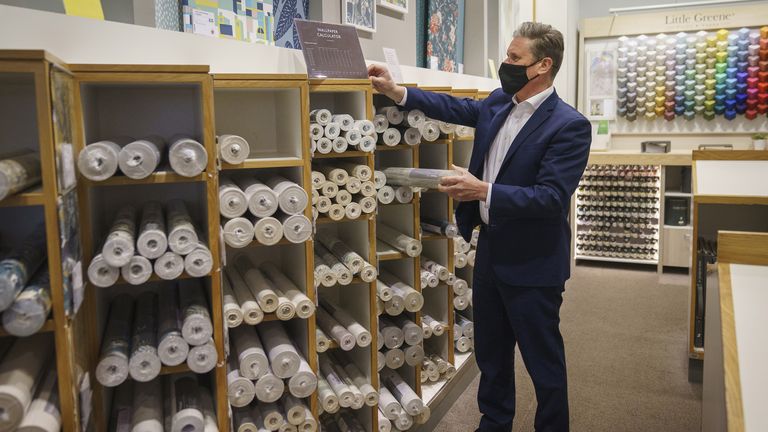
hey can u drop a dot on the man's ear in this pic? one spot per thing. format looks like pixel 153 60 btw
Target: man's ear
pixel 545 65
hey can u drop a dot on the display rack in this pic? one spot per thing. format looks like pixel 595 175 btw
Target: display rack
pixel 35 107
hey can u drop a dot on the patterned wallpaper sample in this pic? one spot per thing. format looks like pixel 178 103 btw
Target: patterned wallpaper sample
pixel 285 11
pixel 445 34
pixel 167 15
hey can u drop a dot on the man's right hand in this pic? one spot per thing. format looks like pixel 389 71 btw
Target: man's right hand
pixel 383 83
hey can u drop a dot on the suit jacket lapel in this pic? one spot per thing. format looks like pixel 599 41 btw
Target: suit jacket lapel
pixel 538 117
pixel 476 164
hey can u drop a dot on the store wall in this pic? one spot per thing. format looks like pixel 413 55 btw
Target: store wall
pixel 393 30
pixel 599 8
pixel 114 10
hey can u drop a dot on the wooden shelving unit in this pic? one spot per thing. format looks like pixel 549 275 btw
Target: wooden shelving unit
pixel 36 110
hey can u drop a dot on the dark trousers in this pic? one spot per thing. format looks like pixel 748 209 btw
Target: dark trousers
pixel 506 315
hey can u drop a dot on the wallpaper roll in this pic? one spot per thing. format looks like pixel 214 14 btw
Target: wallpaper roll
pixel 268 387
pixel 44 413
pixel 144 364
pixel 366 127
pixel 137 271
pixel 390 137
pixel 262 289
pixel 232 200
pixel 98 161
pixel 412 332
pixel 326 396
pixel 395 306
pixel 423 417
pixel 152 241
pixel 353 136
pixel 392 334
pixel 171 346
pixel 322 341
pixel 380 123
pixel 294 409
pixel 369 273
pixel 362 336
pixel 304 382
pixel 199 262
pixel 471 257
pixel 185 410
pixel 169 266
pixel 28 312
pixel 252 311
pixel 182 236
pixel 459 260
pixel 233 149
pixel 437 269
pixel 464 131
pixel 304 306
pixel 427 330
pixel 415 118
pixel 118 247
pixel 285 308
pixel 345 121
pixel 291 198
pixel 440 227
pixel 268 230
pixel 428 279
pixel 358 398
pixel 284 359
pixel 341 272
pixel 272 415
pixel 329 189
pixel 467 326
pixel 342 390
pixel 414 354
pixel 411 136
pixel 324 145
pixel 343 197
pixel 318 178
pixel 320 116
pixel 384 424
pixel 202 358
pixel 309 424
pixel 367 205
pixel 147 407
pixel 332 130
pixel 233 315
pixel 381 361
pixel 209 414
pixel 416 177
pixel 370 395
pixel 367 189
pixel 379 179
pixel 394 358
pixel 404 194
pixel 323 273
pixel 460 287
pixel 388 404
pixel 446 128
pixel 403 243
pixel 334 329
pixel 430 131
pixel 112 368
pixel 461 302
pixel 262 200
pixel 196 326
pixel 386 195
pixel 462 246
pixel 353 211
pixel 139 159
pixel 463 344
pixel 188 158
pixel 19 372
pixel 296 228
pixel 238 232
pixel 408 399
pixel 250 353
pixel 436 326
pixel 383 290
pixel 368 143
pixel 393 114
pixel 339 144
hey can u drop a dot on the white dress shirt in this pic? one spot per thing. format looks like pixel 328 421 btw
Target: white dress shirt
pixel 515 121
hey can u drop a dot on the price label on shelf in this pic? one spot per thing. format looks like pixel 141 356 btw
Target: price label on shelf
pixel 331 50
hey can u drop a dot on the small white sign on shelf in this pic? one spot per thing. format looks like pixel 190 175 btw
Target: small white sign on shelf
pixel 393 64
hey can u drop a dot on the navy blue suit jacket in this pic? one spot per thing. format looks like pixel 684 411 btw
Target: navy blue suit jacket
pixel 528 231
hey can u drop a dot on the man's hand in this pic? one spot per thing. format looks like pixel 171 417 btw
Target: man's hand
pixel 383 83
pixel 464 187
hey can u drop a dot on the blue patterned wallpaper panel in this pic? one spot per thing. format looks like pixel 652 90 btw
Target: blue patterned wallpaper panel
pixel 444 35
pixel 285 11
pixel 167 15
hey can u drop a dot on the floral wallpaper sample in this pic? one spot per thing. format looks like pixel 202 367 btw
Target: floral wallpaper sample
pixel 445 35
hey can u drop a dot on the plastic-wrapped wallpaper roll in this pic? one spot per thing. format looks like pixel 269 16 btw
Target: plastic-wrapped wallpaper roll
pixel 232 199
pixel 423 417
pixel 438 270
pixel 336 212
pixel 412 332
pixel 304 306
pixel 414 354
pixel 144 364
pixel 381 361
pixel 342 390
pixel 404 194
pixel 367 143
pixel 296 228
pixel 137 271
pixel 320 116
pixel 426 178
pixel 238 232
pixel 285 308
pixel 471 257
pixel 182 235
pixel 380 123
pixel 171 346
pixel 309 424
pixel 437 327
pixel 233 149
pixel 385 195
pixel 291 198
pixel 324 145
pixel 332 130
pixel 358 397
pixel 169 266
pixel 345 121
pixel 394 306
pixel 323 273
pixel 187 157
pixel 460 287
pixel 112 368
pixel 393 114
pixel 461 302
pixel 18 267
pixel 351 259
pixel 304 382
pixel 209 414
pixel 415 118
pixel 430 131
pixel 459 260
pixel 196 326
pixel 19 372
pixel 272 415
pixel 384 424
pixel 411 136
pixel 243 420
pixel 427 330
pixel 260 286
pixel 248 349
pixel 284 359
pixel 147 407
pixel 262 200
pixel 268 230
pixel 294 409
pixel 379 179
pixel 322 342
pixel 467 326
pixel 388 404
pixel 122 408
pixel 248 305
pixel 44 413
pixel 329 189
pixel 118 247
pixel 464 131
pixel 199 262
pixel 18 173
pixel 98 161
pixel 353 137
pixel 326 396
pixel 28 312
pixel 342 273
pixel 394 358
pixel 463 344
pixel 184 404
pixel 233 314
pixel 362 336
pixel 202 358
pixel 392 335
pixel 439 227
pixel 339 144
pixel 152 241
pixel 408 399
pixel 390 137
pixel 334 329
pixel 446 128
pixel 366 127
pixel 371 396
pixel 139 159
pixel 428 279
pixel 343 197
pixel 408 245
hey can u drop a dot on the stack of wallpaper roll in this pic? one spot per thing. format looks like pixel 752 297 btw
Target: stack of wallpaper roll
pixel 28 389
pixel 18 172
pixel 464 132
pixel 139 158
pixel 387 194
pixel 286 414
pixel 459 131
pixel 163 241
pixel 336 324
pixel 435 368
pixel 432 327
pixel 422 178
pixel 463 333
pixel 233 149
pixel 265 365
pixel 250 291
pixel 465 252
pixel 399 342
pixel 176 402
pixel 343 421
pixel 389 237
pixel 409 127
pixel 337 263
pixel 168 328
pixel 399 403
pixel 343 190
pixel 433 273
pixel 341 384
pixel 335 133
pixel 396 295
pixel 25 296
pixel 267 210
pixel 689 75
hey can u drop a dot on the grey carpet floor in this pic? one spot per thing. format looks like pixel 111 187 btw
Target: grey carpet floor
pixel 625 338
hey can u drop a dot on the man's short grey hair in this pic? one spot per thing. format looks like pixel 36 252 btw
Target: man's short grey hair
pixel 546 41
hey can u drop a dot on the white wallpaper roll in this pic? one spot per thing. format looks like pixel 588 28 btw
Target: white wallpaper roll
pixel 144 364
pixel 147 407
pixel 334 329
pixel 169 266
pixel 358 399
pixel 344 394
pixel 336 212
pixel 233 315
pixel 238 232
pixel 414 354
pixel 384 424
pixel 338 176
pixel 309 424
pixel 353 136
pixel 202 358
pixel 118 247
pixel 98 161
pixel 284 359
pixel 304 382
pixel 393 114
pixel 423 417
pixel 408 245
pixel 187 157
pixel 351 259
pixel 322 341
pixel 467 326
pixel 44 413
pixel 463 344
pixel 362 336
pixel 326 396
pixel 353 211
pixel 285 308
pixel 196 325
pixel 262 289
pixel 244 421
pixel 446 128
pixel 459 260
pixel 273 417
pixel 152 241
pixel 304 306
pixel 291 198
pixel 139 159
pixel 184 401
pixel 233 149
pixel 386 195
pixel 367 143
pixel 413 300
pixel 366 127
pixel 112 368
pixel 369 273
pixel 324 145
pixel 342 272
pixel 353 185
pixel 471 257
pixel 440 227
pixel 461 302
pixel 262 200
pixel 343 197
pixel 371 396
pixel 409 400
pixel 460 245
pixel 137 271
pixel 390 137
pixel 415 118
pixel 250 352
pixel 436 326
pixel 268 230
pixel 460 287
pixel 199 262
pixel 251 311
pixel 428 279
pixel 394 306
pixel 427 330
pixel 316 131
pixel 436 269
pixel 380 123
pixel 171 346
pixel 182 236
pixel 456 332
pixel 345 121
pixel 411 136
pixel 394 358
pixel 392 334
pixel 211 424
pixel 30 309
pixel 232 200
pixel 404 194
pixel 430 131
pixel 329 189
pixel 332 130
pixel 320 116
pixel 323 273
pixel 381 361
pixel 412 332
pixel 19 372
pixel 294 409
pixel 464 131
pixel 339 144
pixel 296 228
pixel 388 404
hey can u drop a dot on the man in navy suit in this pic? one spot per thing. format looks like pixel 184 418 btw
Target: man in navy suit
pixel 530 151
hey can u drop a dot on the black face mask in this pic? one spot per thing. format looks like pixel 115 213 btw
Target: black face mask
pixel 514 77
